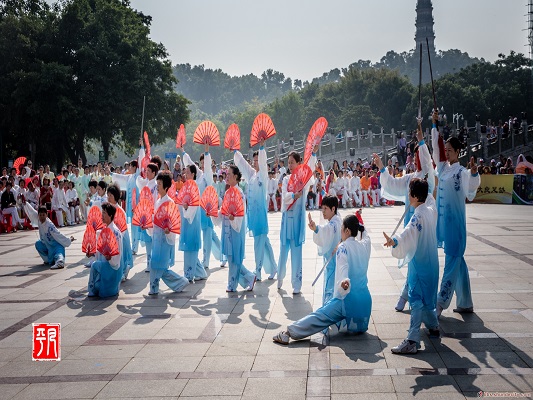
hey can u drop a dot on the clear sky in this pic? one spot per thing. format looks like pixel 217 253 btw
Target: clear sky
pixel 305 38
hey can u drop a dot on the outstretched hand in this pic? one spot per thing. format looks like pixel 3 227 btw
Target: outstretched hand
pixel 377 160
pixel 206 147
pixel 435 117
pixel 311 223
pixel 345 284
pixel 419 133
pixel 473 166
pixel 389 242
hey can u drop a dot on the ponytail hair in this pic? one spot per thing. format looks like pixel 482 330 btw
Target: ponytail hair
pixel 352 223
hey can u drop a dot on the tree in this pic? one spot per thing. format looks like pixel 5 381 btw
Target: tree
pixel 78 71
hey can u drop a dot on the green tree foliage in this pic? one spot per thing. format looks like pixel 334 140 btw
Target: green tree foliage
pixel 79 72
pixel 216 92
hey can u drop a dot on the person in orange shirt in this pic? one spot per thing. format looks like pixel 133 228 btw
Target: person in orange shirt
pixel 320 169
pixel 365 188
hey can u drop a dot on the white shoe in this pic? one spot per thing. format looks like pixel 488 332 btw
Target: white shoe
pixel 282 338
pixel 401 304
pixel 58 265
pixel 405 347
pixel 251 287
pixel 272 275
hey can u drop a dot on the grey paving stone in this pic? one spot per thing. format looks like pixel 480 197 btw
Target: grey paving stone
pixel 214 387
pixel 142 389
pixel 61 390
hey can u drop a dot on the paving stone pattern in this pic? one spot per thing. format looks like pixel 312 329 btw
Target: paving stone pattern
pixel 205 343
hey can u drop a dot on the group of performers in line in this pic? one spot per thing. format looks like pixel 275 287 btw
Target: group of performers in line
pixel 344 243
pixel 428 224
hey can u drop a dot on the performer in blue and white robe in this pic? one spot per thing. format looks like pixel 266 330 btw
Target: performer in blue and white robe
pixel 233 241
pixel 190 241
pixel 397 189
pixel 456 184
pixel 163 249
pixel 106 274
pixel 351 304
pixel 51 244
pixel 292 233
pixel 416 246
pixel 210 240
pixel 327 237
pixel 150 182
pixel 256 215
pixel 129 183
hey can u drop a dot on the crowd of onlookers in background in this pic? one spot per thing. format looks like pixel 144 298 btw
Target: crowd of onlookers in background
pixel 67 194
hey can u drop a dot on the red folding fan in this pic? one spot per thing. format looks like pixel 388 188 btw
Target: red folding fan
pixel 146 194
pixel 107 243
pixel 209 201
pixel 133 199
pixel 94 218
pixel 298 179
pixel 144 163
pixel 89 240
pixel 143 214
pixel 207 133
pixel 189 194
pixel 172 192
pixel 232 203
pixel 181 138
pixel 168 217
pixel 120 219
pixel 18 162
pixel 359 216
pixel 315 136
pixel 233 138
pixel 147 144
pixel 263 128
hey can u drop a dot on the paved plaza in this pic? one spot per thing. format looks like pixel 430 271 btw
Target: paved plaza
pixel 205 343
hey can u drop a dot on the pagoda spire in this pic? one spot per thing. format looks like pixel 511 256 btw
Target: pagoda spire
pixel 424 25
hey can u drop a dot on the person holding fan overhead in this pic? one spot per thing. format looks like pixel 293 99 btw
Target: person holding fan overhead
pixel 292 233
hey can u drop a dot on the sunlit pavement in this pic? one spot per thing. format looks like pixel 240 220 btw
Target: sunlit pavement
pixel 204 343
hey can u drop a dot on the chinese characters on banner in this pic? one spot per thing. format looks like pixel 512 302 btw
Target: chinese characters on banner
pixel 46 342
pixel 495 189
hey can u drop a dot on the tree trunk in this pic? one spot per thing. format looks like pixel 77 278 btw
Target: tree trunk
pixel 105 146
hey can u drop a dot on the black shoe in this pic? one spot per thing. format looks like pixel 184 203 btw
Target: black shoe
pixel 434 333
pixel 461 310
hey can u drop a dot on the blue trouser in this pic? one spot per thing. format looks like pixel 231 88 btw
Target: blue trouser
pixel 104 280
pixel 329 314
pixel 405 291
pixel 329 280
pixel 420 313
pixel 210 238
pixel 264 256
pixel 170 278
pixel 296 263
pixel 135 234
pixel 148 254
pixel 192 267
pixel 455 279
pixel 50 256
pixel 238 274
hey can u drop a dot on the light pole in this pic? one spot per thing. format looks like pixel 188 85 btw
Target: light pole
pixel 457 117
